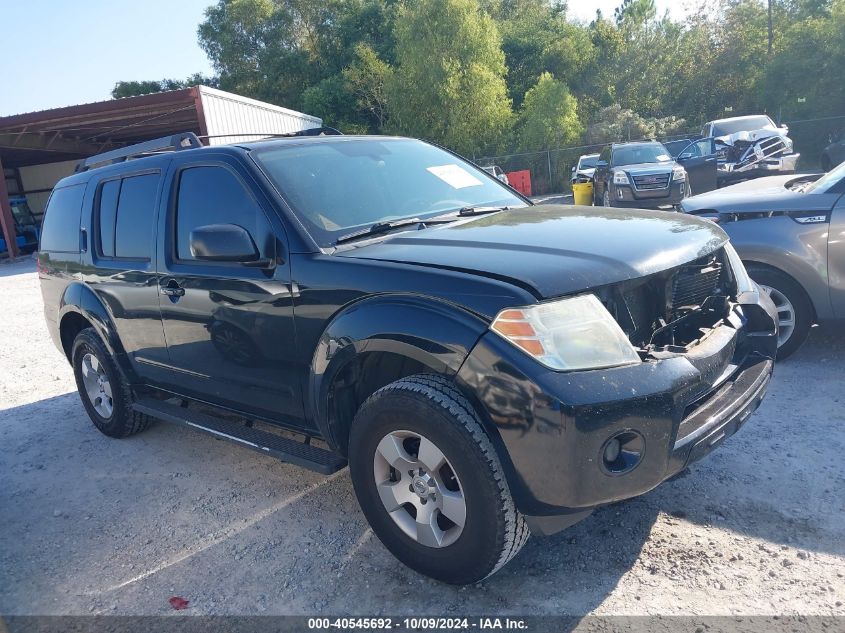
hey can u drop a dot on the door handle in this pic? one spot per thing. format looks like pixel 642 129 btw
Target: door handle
pixel 172 289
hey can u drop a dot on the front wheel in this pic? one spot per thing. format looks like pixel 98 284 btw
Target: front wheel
pixel 795 312
pixel 430 482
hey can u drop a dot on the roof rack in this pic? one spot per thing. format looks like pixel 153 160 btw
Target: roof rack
pixel 185 140
pixel 314 131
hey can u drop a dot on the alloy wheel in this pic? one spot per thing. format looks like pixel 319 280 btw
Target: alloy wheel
pixel 97 386
pixel 419 489
pixel 786 313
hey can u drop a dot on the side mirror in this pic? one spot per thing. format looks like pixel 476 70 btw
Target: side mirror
pixel 223 243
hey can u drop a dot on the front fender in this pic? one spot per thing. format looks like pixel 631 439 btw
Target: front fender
pixel 799 251
pixel 435 333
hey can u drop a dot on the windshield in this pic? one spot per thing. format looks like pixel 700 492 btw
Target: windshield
pixel 588 162
pixel 828 180
pixel 343 184
pixel 633 154
pixel 745 124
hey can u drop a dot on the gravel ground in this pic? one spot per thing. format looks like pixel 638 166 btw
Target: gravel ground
pixel 90 524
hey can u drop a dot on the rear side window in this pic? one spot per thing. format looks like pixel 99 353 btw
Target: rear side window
pixel 212 195
pixel 126 211
pixel 108 212
pixel 60 230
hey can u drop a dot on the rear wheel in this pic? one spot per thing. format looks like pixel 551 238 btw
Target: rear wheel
pixel 430 483
pixel 795 312
pixel 104 390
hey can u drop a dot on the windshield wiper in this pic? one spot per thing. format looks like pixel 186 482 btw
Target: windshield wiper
pixel 480 210
pixel 378 228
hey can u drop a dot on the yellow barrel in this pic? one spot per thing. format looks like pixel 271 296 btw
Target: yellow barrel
pixel 582 192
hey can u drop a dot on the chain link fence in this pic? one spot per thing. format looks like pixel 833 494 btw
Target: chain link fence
pixel 551 169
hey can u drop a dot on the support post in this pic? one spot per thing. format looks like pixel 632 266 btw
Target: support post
pixel 7 221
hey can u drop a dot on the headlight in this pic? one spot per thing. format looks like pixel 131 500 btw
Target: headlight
pixel 568 334
pixel 743 281
pixel 620 178
pixel 679 174
pixel 788 143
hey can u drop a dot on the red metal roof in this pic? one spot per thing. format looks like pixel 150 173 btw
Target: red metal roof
pixel 82 130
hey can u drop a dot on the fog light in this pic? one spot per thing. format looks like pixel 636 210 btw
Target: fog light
pixel 622 452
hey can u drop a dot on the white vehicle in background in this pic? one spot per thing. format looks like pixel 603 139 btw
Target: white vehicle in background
pixel 497 172
pixel 749 147
pixel 585 168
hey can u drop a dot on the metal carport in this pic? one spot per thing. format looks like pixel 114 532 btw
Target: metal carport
pixel 54 139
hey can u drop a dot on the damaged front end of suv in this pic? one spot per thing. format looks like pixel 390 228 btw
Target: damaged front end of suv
pixel 749 147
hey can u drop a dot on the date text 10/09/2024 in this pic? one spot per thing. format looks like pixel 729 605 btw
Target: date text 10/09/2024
pixel 424 623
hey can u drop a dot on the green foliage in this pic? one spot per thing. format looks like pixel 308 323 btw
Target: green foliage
pixel 135 88
pixel 549 116
pixel 367 78
pixel 614 123
pixel 454 70
pixel 449 82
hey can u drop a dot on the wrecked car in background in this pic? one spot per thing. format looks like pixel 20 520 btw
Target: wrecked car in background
pixel 750 146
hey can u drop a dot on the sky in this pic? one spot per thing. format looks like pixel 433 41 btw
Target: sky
pixel 63 52
pixel 55 53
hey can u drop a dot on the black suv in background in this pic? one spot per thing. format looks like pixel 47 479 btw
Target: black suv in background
pixel 485 366
pixel 643 175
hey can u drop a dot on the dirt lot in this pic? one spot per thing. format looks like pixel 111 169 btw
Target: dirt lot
pixel 90 524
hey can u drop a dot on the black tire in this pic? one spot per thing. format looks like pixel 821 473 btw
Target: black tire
pixel 123 421
pixel 803 309
pixel 494 531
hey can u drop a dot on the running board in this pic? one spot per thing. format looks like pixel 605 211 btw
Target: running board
pixel 291 451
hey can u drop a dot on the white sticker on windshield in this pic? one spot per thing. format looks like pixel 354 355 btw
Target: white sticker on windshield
pixel 662 157
pixel 455 176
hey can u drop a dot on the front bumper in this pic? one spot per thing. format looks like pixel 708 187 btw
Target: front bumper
pixel 627 196
pixel 554 426
pixel 728 172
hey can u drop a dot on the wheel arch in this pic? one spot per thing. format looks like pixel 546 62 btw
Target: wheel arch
pixel 752 263
pixel 376 341
pixel 80 308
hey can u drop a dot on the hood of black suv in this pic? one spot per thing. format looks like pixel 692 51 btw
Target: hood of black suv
pixel 555 250
pixel 647 168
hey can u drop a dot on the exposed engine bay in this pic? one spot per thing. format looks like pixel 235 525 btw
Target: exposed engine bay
pixel 674 310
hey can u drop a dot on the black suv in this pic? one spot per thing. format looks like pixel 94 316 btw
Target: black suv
pixel 638 175
pixel 486 366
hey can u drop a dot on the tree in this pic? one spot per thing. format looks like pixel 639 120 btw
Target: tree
pixel 615 123
pixel 135 88
pixel 449 82
pixel 549 116
pixel 367 78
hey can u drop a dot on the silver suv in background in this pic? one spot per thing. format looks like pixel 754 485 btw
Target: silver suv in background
pixel 749 147
pixel 788 231
pixel 584 169
pixel 498 173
